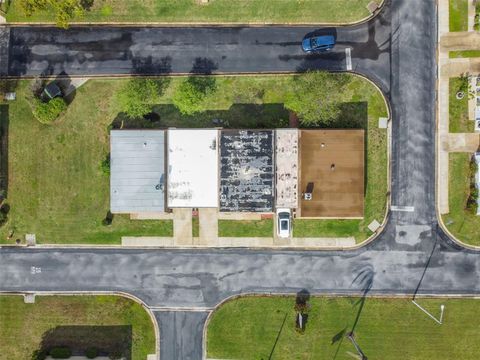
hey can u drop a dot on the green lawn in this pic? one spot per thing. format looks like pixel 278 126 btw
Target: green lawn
pixel 464 54
pixel 245 228
pixel 78 320
pixel 462 224
pixel 56 188
pixel 458 109
pixel 243 11
pixel 387 329
pixel 458 15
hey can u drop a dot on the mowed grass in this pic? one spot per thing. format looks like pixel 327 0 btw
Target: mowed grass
pixel 458 12
pixel 23 325
pixel 461 223
pixel 387 329
pixel 185 11
pixel 464 54
pixel 56 188
pixel 458 109
pixel 245 228
pixel 58 191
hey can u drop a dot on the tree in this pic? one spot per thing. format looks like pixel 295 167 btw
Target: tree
pixel 47 112
pixel 191 92
pixel 64 10
pixel 138 96
pixel 316 97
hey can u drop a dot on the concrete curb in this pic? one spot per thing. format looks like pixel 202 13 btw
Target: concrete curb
pixel 336 295
pixel 97 293
pixel 199 23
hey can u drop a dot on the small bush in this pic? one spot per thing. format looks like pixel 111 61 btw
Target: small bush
pixel 62 352
pixel 91 353
pixel 39 355
pixel 105 165
pixel 47 112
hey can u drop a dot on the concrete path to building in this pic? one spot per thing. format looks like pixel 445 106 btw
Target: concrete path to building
pixel 182 227
pixel 208 227
pixel 460 142
pixel 467 40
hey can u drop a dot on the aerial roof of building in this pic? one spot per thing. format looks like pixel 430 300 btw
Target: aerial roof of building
pixel 246 170
pixel 192 179
pixel 286 168
pixel 332 171
pixel 137 171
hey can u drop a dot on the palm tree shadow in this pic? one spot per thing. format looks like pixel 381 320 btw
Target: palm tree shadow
pixel 278 337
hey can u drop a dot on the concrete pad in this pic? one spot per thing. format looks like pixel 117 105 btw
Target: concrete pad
pixel 152 216
pixel 382 122
pixel 182 226
pixel 147 241
pixel 208 227
pixel 471 15
pixel 245 242
pixel 372 6
pixel 463 142
pixel 29 298
pixel 460 41
pixel 152 357
pixel 323 242
pixel 31 239
pixel 239 216
pixel 373 226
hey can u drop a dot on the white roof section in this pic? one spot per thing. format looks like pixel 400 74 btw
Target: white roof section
pixel 286 166
pixel 137 171
pixel 192 168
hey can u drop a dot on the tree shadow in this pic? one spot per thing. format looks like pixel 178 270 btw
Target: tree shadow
pixel 238 116
pixel 108 340
pixel 151 66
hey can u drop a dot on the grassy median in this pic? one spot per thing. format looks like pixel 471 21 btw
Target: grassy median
pixel 388 329
pixel 57 189
pixel 189 11
pixel 461 223
pixel 107 323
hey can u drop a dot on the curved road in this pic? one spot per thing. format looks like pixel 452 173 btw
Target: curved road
pixel 412 255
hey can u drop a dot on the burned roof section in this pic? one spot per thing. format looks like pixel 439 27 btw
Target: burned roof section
pixel 246 170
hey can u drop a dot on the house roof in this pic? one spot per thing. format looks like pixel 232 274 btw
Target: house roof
pixel 192 168
pixel 332 170
pixel 246 170
pixel 137 171
pixel 286 168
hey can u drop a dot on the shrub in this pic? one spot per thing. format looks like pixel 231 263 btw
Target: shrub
pixel 61 352
pixel 316 97
pixel 39 355
pixel 190 94
pixel 47 112
pixel 91 353
pixel 138 95
pixel 105 165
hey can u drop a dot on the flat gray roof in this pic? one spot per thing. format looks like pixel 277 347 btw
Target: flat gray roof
pixel 137 171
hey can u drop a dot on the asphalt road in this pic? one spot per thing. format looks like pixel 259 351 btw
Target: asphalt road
pixel 412 255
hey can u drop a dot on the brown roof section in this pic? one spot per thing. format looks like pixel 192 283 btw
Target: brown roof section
pixel 336 170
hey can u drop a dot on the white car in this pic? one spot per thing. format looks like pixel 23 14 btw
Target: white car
pixel 283 223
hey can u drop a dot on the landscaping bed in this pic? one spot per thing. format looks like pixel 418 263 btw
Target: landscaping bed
pixel 264 328
pixel 189 11
pixel 58 184
pixel 109 324
pixel 461 222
